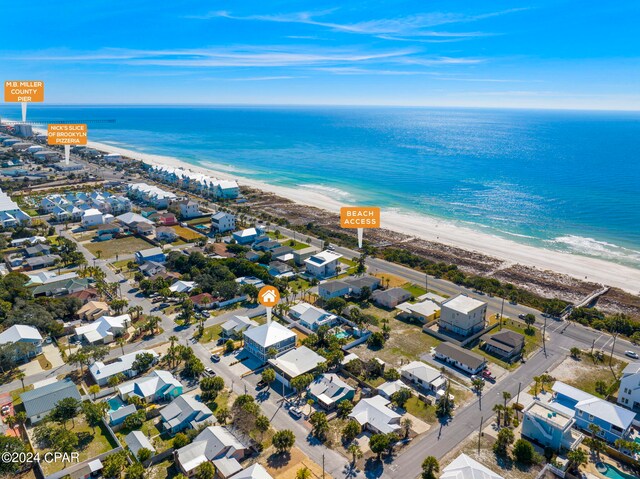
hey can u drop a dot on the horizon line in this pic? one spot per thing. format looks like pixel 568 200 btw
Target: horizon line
pixel 339 105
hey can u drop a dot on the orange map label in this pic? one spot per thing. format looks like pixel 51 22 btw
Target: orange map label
pixel 67 134
pixel 268 296
pixel 360 217
pixel 23 91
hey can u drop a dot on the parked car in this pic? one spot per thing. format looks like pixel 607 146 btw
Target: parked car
pixel 261 384
pixel 296 412
pixel 631 354
pixel 486 374
pixel 209 372
pixel 215 358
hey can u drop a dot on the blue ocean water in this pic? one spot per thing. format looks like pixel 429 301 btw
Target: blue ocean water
pixel 556 179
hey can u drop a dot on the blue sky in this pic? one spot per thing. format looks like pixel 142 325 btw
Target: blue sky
pixel 537 53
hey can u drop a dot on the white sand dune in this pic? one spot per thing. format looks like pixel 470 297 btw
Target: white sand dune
pixel 432 229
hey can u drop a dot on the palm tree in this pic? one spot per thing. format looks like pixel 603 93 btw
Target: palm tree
pixel 21 375
pixel 506 395
pixel 430 467
pixel 498 408
pixel 536 382
pixel 577 458
pixel 355 451
pixel 406 424
pixel 120 342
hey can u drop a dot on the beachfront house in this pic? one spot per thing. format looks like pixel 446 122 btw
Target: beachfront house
pixel 463 315
pixel 629 393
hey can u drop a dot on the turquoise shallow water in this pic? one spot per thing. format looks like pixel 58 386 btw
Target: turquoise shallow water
pixel 567 181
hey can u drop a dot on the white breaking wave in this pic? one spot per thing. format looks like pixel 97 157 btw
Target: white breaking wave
pixel 335 193
pixel 600 249
pixel 222 167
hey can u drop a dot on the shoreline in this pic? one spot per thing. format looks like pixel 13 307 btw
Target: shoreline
pixel 583 268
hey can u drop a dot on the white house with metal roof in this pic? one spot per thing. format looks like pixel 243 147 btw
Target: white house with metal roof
pixel 258 341
pixel 424 377
pixel 215 444
pixel 463 467
pixel 159 385
pixel 25 334
pixel 104 329
pixel 253 472
pixel 101 372
pixel 234 327
pixel 136 440
pixel 311 316
pixel 294 363
pixel 375 415
pixel 10 212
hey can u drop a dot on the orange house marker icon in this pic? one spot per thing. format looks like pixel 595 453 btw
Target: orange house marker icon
pixel 269 296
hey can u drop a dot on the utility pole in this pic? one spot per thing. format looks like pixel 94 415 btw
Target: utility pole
pixel 593 345
pixel 323 466
pixel 426 281
pixel 480 433
pixel 544 336
pixel 501 313
pixel 518 400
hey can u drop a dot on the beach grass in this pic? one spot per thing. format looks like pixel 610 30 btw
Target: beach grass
pixel 186 234
pixel 296 245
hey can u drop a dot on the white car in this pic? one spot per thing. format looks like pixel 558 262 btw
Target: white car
pixel 631 354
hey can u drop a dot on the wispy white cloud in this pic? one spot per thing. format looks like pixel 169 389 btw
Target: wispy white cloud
pixel 418 26
pixel 265 78
pixel 240 56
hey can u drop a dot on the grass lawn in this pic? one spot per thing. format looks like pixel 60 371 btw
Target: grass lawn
pixel 406 340
pixel 296 245
pixel 211 333
pixel 260 319
pixel 122 264
pixel 126 245
pixel 163 470
pixel 532 343
pixel 92 443
pixel 300 284
pixel 421 410
pixel 149 428
pixel 414 289
pixel 346 261
pixel 186 234
pixel 199 221
pixel 44 362
pixel 393 281
pixel 15 395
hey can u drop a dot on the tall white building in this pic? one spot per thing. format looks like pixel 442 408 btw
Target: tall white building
pixel 463 315
pixel 629 394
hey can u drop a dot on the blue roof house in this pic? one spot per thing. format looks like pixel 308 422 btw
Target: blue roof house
pixel 151 254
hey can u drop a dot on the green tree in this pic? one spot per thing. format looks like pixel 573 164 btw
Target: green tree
pixel 406 425
pixel 144 454
pixel 301 383
pixel 268 375
pixel 94 389
pixel 180 440
pixel 143 362
pixel 577 458
pixel 193 367
pixel 135 471
pixel 319 424
pixel 379 443
pixel 262 425
pixel 205 471
pixel 575 352
pixel 222 415
pixel 351 430
pixel 66 409
pixel 114 380
pixel 430 467
pixel 523 452
pixel 303 473
pixel 529 320
pixel 376 340
pixel 503 441
pixel 391 374
pixel 401 397
pixel 229 346
pixel 344 408
pixel 283 440
pixel 11 445
pixel 355 451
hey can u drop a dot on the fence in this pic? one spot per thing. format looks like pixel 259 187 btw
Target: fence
pixel 357 342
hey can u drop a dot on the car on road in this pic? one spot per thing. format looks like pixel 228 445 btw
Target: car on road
pixel 209 372
pixel 206 314
pixel 486 374
pixel 295 412
pixel 215 358
pixel 521 316
pixel 194 340
pixel 631 354
pixel 261 384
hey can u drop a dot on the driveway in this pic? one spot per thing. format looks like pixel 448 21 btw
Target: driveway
pixel 52 354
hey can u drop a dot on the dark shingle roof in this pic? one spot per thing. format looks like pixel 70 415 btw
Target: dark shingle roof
pixel 463 356
pixel 44 399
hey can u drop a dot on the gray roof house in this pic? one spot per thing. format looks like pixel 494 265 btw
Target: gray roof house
pixel 236 326
pixel 217 445
pixel 39 402
pixel 184 412
pixel 329 390
pixel 390 298
pixel 119 415
pixel 460 358
pixel 136 440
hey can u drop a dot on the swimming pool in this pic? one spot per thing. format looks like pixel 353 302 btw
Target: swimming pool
pixel 115 403
pixel 342 335
pixel 612 472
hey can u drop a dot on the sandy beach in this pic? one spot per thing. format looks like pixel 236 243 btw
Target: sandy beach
pixel 432 229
